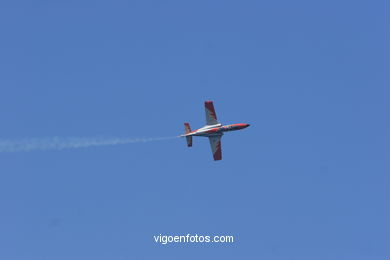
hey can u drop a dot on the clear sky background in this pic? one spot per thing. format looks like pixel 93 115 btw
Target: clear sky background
pixel 307 180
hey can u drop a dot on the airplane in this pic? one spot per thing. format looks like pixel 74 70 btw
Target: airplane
pixel 213 130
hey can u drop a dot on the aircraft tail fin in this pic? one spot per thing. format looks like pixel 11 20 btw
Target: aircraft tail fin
pixel 188 130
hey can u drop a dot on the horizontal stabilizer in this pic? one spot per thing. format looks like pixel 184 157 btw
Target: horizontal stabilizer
pixel 189 141
pixel 187 128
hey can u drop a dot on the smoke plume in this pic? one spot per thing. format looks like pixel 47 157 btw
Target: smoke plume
pixel 59 143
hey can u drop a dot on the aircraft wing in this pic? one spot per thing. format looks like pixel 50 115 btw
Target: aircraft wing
pixel 211 116
pixel 215 143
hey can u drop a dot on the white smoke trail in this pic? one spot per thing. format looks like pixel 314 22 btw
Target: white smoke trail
pixel 59 143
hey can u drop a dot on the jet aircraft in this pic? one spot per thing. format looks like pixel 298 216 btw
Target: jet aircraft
pixel 213 130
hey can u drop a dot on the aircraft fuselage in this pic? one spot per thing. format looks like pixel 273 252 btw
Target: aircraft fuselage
pixel 218 129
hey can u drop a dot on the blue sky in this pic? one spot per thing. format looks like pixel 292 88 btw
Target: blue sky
pixel 307 180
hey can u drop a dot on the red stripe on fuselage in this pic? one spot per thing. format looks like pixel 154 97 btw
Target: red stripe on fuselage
pixel 212 131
